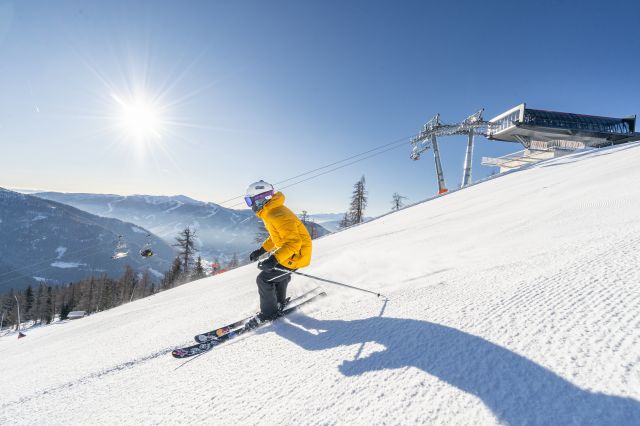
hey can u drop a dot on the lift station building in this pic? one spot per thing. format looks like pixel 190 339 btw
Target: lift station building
pixel 549 134
pixel 543 134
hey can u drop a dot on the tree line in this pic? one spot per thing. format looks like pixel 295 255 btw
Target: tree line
pixel 359 199
pixel 43 303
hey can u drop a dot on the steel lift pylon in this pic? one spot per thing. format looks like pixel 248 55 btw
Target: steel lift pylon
pixel 428 138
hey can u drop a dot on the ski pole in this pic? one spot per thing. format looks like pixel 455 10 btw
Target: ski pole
pixel 279 276
pixel 332 282
pixel 286 272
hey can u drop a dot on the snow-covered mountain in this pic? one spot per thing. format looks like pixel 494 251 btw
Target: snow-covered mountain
pixel 330 221
pixel 513 301
pixel 221 232
pixel 46 241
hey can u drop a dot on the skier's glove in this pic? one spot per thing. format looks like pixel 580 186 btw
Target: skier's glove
pixel 256 254
pixel 269 264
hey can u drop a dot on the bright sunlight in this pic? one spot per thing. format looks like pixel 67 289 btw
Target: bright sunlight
pixel 140 119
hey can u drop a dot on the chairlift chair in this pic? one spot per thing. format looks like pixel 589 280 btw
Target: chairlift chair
pixel 121 249
pixel 146 250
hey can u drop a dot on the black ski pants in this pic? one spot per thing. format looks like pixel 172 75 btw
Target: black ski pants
pixel 272 287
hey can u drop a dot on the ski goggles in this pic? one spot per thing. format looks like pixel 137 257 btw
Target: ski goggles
pixel 252 200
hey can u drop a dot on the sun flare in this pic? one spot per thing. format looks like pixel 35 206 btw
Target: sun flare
pixel 139 118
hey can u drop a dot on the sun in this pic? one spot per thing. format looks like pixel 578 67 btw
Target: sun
pixel 139 118
pixel 140 109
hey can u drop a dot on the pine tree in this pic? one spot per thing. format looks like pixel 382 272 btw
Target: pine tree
pixel 186 243
pixel 358 202
pixel 67 300
pixel 145 284
pixel 3 312
pixel 10 308
pixel 198 271
pixel 7 306
pixel 88 302
pixel 54 301
pixel 173 275
pixel 127 283
pixel 71 302
pixel 38 311
pixel 304 217
pixel 105 296
pixel 345 222
pixel 28 303
pixel 49 313
pixel 64 311
pixel 396 202
pixel 100 293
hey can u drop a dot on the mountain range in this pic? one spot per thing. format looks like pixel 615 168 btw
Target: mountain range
pixel 220 232
pixel 46 241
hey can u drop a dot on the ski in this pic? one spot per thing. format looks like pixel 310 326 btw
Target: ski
pixel 199 348
pixel 218 332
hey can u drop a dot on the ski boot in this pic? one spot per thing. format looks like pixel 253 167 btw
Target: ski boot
pixel 283 305
pixel 255 322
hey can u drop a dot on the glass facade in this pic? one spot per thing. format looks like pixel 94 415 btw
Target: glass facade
pixel 505 122
pixel 564 120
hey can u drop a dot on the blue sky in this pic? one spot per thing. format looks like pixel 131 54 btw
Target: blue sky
pixel 249 90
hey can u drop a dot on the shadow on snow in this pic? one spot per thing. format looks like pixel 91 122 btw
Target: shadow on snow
pixel 517 390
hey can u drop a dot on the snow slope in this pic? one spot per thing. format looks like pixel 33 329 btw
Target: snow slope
pixel 513 301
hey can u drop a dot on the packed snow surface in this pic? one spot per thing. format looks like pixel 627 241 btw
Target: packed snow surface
pixel 138 230
pixel 513 301
pixel 65 265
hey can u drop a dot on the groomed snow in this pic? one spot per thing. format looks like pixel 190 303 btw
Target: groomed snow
pixel 138 230
pixel 514 301
pixel 66 265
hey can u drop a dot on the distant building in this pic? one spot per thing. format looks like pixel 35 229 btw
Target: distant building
pixel 76 314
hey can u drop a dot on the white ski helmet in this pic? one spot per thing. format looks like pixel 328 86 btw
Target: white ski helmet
pixel 258 193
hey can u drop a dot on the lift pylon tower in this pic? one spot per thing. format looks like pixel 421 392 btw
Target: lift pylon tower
pixel 427 138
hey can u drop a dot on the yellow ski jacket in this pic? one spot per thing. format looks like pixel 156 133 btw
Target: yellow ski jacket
pixel 287 234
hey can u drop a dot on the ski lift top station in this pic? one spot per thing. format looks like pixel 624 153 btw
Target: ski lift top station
pixel 543 134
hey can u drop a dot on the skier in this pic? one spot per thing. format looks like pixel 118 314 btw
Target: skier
pixel 289 243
